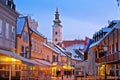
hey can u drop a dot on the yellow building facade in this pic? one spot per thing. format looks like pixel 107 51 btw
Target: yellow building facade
pixel 29 70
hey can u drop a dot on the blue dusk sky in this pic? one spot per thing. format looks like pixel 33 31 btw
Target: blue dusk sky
pixel 79 18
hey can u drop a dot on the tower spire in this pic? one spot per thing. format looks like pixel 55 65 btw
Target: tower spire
pixel 57 28
pixel 57 20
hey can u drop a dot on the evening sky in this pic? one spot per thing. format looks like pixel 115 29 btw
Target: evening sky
pixel 79 18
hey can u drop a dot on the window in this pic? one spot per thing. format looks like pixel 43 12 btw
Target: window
pixel 56 33
pixel 39 47
pixel 57 58
pixel 13 33
pixel 53 58
pixel 0 26
pixel 112 48
pixel 22 49
pixel 7 31
pixel 25 36
pixel 32 44
pixel 48 58
pixel 56 39
pixel 116 46
pixel 36 46
pixel 6 2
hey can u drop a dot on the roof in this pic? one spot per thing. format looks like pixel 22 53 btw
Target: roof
pixel 50 48
pixel 76 46
pixel 108 28
pixel 67 43
pixel 71 46
pixel 117 26
pixel 60 50
pixel 37 32
pixel 20 24
pixel 75 51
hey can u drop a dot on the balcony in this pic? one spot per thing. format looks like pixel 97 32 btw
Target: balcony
pixel 112 58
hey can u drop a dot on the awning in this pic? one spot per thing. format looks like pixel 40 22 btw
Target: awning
pixel 15 55
pixel 45 63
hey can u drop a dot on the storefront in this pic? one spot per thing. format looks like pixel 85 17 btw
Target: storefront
pixel 45 69
pixel 57 70
pixel 68 70
pixel 15 67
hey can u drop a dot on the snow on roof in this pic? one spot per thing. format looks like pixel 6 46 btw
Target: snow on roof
pixel 115 26
pixel 76 46
pixel 20 24
pixel 37 32
pixel 50 48
pixel 74 55
pixel 62 51
pixel 106 29
pixel 72 49
pixel 115 21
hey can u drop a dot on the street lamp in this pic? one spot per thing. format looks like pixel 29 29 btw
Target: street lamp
pixel 105 51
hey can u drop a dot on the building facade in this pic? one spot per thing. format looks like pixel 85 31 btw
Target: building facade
pixel 8 18
pixel 23 49
pixel 109 59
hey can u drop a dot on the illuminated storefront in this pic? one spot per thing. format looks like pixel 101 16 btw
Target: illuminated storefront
pixel 13 66
pixel 56 70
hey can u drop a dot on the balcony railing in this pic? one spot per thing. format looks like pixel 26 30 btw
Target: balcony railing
pixel 112 58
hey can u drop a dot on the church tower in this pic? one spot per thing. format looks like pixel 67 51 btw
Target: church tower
pixel 57 29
